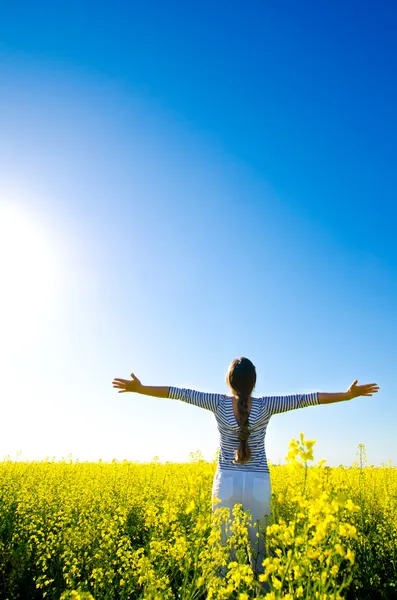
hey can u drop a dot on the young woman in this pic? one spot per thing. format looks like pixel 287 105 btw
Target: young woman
pixel 242 474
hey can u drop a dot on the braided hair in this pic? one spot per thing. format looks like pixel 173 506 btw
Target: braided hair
pixel 241 378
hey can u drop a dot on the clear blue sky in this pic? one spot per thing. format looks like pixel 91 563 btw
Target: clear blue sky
pixel 184 184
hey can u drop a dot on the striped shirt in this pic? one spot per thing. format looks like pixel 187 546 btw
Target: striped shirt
pixel 261 411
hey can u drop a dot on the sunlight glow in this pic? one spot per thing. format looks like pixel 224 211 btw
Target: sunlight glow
pixel 28 277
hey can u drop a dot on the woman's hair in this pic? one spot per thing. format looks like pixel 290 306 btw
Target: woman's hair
pixel 241 378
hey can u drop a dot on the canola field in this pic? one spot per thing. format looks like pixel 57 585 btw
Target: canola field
pixel 123 530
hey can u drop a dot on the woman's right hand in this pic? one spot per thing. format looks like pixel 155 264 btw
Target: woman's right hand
pixel 127 385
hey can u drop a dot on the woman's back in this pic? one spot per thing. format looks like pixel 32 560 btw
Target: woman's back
pixel 262 408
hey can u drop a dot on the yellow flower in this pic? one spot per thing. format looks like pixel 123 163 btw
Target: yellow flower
pixel 339 549
pixel 190 508
pixel 350 556
pixel 276 583
pixel 352 507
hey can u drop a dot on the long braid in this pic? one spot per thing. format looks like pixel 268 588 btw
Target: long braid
pixel 243 454
pixel 241 378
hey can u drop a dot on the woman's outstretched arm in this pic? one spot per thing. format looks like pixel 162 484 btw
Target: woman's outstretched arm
pixel 353 392
pixel 200 399
pixel 279 404
pixel 134 385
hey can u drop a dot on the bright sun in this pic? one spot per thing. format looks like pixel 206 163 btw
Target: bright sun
pixel 28 277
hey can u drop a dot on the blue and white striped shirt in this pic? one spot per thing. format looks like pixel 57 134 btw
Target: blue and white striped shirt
pixel 261 410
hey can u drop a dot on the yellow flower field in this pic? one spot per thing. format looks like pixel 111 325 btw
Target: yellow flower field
pixel 125 530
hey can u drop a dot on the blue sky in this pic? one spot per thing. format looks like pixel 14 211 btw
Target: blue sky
pixel 181 185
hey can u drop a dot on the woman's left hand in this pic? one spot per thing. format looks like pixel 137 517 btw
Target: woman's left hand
pixel 362 390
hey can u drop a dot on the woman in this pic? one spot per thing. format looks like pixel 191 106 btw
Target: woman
pixel 242 474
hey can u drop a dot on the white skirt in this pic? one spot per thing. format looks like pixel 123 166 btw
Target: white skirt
pixel 252 489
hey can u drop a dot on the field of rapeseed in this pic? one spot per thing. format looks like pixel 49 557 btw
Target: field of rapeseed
pixel 122 530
